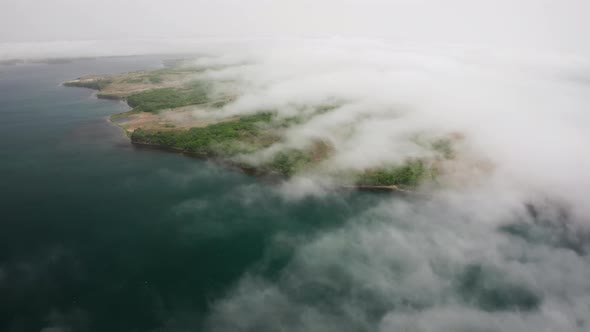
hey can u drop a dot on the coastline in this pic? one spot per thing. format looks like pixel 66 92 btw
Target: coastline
pixel 268 175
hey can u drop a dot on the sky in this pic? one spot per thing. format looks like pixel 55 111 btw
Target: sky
pixel 524 23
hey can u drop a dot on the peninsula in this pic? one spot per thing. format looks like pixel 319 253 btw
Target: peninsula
pixel 175 109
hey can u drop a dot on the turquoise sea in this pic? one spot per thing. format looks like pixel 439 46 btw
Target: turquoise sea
pixel 97 235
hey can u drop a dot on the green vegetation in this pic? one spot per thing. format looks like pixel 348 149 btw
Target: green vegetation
pixel 207 139
pixel 133 80
pixel 159 99
pixel 160 74
pixel 289 162
pixel 444 147
pixel 304 117
pixel 410 174
pixel 171 88
pixel 155 78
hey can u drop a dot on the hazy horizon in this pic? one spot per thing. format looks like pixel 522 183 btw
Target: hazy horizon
pixel 541 24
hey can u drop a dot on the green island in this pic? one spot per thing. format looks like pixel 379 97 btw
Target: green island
pixel 173 108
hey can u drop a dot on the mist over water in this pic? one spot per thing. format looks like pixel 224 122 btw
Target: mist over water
pixel 98 235
pixel 498 244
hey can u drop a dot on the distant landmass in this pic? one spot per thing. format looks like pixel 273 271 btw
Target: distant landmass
pixel 174 109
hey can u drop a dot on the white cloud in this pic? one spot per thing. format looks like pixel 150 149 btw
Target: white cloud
pixel 426 266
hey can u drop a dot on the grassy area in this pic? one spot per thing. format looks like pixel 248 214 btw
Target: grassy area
pixel 155 78
pixel 210 139
pixel 159 99
pixel 133 80
pixel 246 135
pixel 290 161
pixel 411 174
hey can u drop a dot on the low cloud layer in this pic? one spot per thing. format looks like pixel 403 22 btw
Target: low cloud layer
pixel 520 117
pixel 499 244
pixel 429 266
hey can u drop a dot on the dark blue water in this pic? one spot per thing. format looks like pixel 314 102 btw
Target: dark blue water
pixel 99 236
